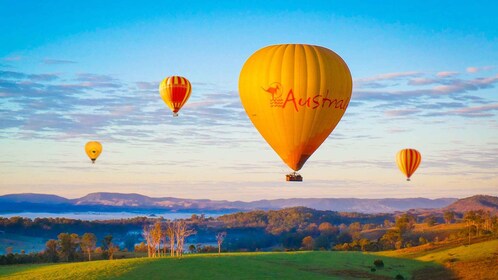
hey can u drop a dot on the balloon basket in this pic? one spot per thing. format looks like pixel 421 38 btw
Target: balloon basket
pixel 408 179
pixel 175 114
pixel 294 177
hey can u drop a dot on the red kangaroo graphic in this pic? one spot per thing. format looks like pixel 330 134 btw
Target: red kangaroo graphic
pixel 272 90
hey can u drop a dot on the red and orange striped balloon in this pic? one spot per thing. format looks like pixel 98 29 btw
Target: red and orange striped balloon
pixel 408 161
pixel 175 91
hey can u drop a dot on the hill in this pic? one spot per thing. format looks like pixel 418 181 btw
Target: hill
pixel 476 261
pixel 34 198
pixel 131 202
pixel 297 265
pixel 477 202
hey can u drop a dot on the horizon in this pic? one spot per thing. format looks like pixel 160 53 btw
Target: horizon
pixel 75 72
pixel 288 198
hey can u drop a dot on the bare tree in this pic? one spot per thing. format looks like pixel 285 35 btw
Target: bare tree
pixel 148 240
pixel 170 235
pixel 182 232
pixel 156 236
pixel 220 237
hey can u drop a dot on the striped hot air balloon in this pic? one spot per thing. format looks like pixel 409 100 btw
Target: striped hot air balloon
pixel 408 161
pixel 175 91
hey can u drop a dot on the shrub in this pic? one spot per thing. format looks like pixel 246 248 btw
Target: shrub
pixel 379 263
pixel 399 277
pixel 373 269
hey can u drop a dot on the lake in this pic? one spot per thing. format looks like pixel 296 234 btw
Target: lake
pixel 92 216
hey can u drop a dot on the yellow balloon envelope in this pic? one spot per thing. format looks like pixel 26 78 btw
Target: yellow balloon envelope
pixel 408 161
pixel 93 150
pixel 175 91
pixel 295 95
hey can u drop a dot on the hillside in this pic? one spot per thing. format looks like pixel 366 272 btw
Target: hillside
pixel 477 202
pixel 477 261
pixel 34 198
pixel 298 265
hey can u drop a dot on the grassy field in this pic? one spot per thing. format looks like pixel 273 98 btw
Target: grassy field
pixel 476 261
pixel 298 265
pixel 441 261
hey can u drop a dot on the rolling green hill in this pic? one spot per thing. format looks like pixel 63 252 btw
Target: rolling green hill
pixel 298 265
pixel 476 261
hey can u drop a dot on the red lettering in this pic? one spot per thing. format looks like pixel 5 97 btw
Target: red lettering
pixel 290 97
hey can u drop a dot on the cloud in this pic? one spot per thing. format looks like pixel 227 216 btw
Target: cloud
pixel 377 81
pixel 401 113
pixel 13 58
pixel 479 69
pixel 476 111
pixel 446 74
pixel 50 61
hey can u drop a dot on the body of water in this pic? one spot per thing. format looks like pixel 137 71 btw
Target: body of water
pixel 92 216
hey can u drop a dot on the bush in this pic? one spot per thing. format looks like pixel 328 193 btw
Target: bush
pixel 373 269
pixel 379 263
pixel 399 277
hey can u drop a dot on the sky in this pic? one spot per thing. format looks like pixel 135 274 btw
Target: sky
pixel 425 76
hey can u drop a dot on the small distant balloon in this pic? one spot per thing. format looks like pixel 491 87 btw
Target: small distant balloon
pixel 93 149
pixel 408 161
pixel 175 91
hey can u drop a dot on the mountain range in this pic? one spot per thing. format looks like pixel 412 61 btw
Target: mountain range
pixel 110 202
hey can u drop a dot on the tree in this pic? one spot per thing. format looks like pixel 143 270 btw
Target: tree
pixel 68 244
pixel 181 232
pixel 363 243
pixel 156 235
pixel 170 235
pixel 88 243
pixel 51 250
pixel 191 248
pixel 405 223
pixel 141 247
pixel 354 230
pixel 112 249
pixel 469 218
pixel 430 220
pixel 307 243
pixel 220 237
pixel 449 217
pixel 148 239
pixel 327 228
pixel 390 238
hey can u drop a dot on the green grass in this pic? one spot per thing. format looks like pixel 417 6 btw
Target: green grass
pixel 476 261
pixel 294 265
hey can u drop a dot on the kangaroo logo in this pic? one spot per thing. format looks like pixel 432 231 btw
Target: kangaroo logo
pixel 275 90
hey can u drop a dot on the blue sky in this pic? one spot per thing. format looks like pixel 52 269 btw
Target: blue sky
pixel 425 76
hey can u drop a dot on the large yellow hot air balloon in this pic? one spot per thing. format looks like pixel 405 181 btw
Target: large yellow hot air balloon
pixel 93 150
pixel 175 91
pixel 408 161
pixel 295 95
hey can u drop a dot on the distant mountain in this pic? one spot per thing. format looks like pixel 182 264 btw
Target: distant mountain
pixel 133 202
pixel 34 198
pixel 477 202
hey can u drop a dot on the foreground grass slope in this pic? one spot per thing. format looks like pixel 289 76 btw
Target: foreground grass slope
pixel 298 265
pixel 476 261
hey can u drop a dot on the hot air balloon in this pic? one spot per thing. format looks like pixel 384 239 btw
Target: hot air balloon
pixel 175 91
pixel 295 95
pixel 93 150
pixel 408 161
